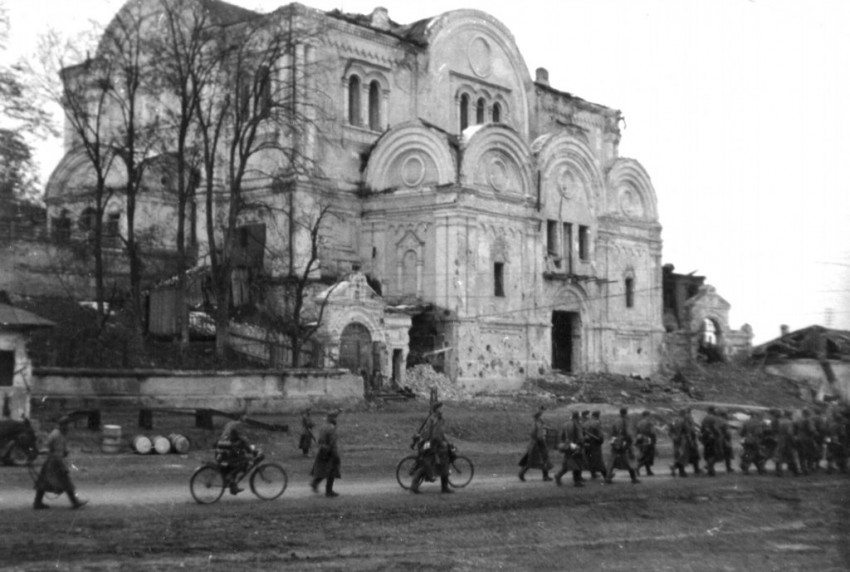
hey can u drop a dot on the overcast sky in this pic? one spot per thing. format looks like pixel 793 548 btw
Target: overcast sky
pixel 738 109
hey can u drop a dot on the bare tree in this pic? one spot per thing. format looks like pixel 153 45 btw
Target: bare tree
pixel 251 125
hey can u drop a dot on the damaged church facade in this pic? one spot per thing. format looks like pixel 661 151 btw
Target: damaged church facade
pixel 485 220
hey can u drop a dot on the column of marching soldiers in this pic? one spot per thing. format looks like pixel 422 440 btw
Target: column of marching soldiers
pixel 799 444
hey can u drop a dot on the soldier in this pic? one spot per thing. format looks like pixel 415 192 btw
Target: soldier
pixel 434 451
pixel 804 433
pixel 54 476
pixel 537 453
pixel 572 445
pixel 327 463
pixel 727 453
pixel 683 443
pixel 646 439
pixel 752 433
pixel 712 440
pixel 622 454
pixel 819 421
pixel 784 454
pixel 771 433
pixel 836 445
pixel 593 439
pixel 307 437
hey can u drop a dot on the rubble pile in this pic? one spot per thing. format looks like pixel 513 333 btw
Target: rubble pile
pixel 422 378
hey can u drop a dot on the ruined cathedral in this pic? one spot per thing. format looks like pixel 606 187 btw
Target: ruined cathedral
pixel 485 220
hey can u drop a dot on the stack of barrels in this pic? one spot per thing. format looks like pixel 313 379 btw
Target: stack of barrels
pixel 142 444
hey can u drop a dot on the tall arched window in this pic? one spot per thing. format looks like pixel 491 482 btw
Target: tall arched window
pixel 630 292
pixel 464 111
pixel 375 106
pixel 409 278
pixel 263 81
pixel 479 111
pixel 354 100
pixel 497 113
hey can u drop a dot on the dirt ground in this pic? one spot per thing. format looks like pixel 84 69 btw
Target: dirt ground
pixel 141 516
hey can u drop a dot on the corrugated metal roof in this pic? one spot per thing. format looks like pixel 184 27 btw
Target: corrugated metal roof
pixel 12 318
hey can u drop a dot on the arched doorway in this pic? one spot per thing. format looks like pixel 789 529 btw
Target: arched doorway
pixel 355 348
pixel 710 341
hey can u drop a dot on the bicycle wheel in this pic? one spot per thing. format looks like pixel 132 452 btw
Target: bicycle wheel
pixel 207 484
pixel 404 471
pixel 268 481
pixel 460 472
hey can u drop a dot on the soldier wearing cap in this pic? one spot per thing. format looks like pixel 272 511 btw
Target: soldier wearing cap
pixel 712 440
pixel 726 451
pixel 684 444
pixel 785 453
pixel 434 451
pixel 622 454
pixel 593 439
pixel 306 439
pixel 537 453
pixel 752 441
pixel 572 446
pixel 646 441
pixel 54 476
pixel 327 464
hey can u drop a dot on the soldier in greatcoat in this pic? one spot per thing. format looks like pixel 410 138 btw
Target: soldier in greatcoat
pixel 306 439
pixel 837 426
pixel 752 442
pixel 571 444
pixel 622 453
pixel 55 476
pixel 647 437
pixel 804 439
pixel 785 452
pixel 537 453
pixel 684 443
pixel 727 453
pixel 434 451
pixel 593 439
pixel 327 464
pixel 712 440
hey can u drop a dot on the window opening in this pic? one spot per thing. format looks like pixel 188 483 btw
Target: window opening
pixel 354 100
pixel 552 237
pixel 568 245
pixel 630 292
pixel 497 113
pixel 464 111
pixel 499 279
pixel 479 111
pixel 583 242
pixel 375 106
pixel 264 90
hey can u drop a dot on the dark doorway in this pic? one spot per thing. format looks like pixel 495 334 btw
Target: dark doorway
pixel 565 338
pixel 398 363
pixel 355 349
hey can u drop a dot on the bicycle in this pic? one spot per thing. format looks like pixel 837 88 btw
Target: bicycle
pixel 267 480
pixel 461 469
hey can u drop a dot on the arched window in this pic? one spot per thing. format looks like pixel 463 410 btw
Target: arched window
pixel 497 113
pixel 630 292
pixel 409 279
pixel 464 111
pixel 62 226
pixel 479 111
pixel 375 106
pixel 709 332
pixel 354 100
pixel 263 87
pixel 88 219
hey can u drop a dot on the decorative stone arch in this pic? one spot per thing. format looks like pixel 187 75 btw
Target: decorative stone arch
pixel 495 158
pixel 629 286
pixel 630 191
pixel 561 158
pixel 410 155
pixel 485 29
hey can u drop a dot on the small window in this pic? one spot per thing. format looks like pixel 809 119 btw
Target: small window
pixel 497 113
pixel 499 279
pixel 567 237
pixel 375 106
pixel 464 111
pixel 630 292
pixel 479 111
pixel 354 100
pixel 62 227
pixel 552 238
pixel 88 220
pixel 263 80
pixel 583 242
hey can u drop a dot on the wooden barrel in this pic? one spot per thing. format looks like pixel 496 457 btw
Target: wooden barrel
pixel 142 445
pixel 111 443
pixel 161 444
pixel 179 443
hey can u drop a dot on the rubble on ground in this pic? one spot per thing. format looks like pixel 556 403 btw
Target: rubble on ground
pixel 422 378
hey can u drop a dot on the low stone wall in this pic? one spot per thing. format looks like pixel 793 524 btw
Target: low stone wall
pixel 261 391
